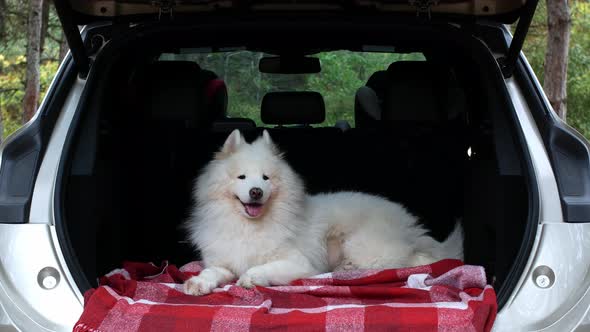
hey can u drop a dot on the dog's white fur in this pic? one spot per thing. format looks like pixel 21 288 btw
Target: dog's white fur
pixel 295 235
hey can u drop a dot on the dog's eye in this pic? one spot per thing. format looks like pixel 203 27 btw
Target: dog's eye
pixel 242 177
pixel 264 177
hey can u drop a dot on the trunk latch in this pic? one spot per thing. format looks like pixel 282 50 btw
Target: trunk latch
pixel 423 6
pixel 165 7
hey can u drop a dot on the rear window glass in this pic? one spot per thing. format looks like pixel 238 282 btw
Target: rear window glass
pixel 343 72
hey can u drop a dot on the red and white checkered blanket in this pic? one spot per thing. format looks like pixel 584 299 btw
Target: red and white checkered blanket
pixel 444 296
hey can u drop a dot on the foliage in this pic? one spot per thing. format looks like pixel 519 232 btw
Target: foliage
pixel 13 62
pixel 12 73
pixel 578 85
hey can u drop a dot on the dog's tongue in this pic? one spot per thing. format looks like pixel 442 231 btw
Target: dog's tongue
pixel 253 210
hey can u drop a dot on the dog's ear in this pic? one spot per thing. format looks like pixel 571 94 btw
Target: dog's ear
pixel 266 137
pixel 232 143
pixel 268 141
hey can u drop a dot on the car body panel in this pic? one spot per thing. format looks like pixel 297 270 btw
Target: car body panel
pixel 25 250
pixel 106 9
pixel 565 248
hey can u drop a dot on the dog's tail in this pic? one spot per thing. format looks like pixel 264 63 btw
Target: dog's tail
pixel 452 246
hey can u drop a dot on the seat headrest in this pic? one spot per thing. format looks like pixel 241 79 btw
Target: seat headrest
pixel 172 90
pixel 378 81
pixel 216 97
pixel 180 91
pixel 415 91
pixel 229 124
pixel 367 107
pixel 285 108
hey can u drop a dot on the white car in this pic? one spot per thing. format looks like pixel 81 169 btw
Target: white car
pixel 459 130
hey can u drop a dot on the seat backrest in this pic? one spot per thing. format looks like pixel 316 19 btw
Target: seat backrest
pixel 313 152
pixel 412 154
pixel 170 100
pixel 216 97
pixel 179 94
pixel 171 91
pixel 174 93
pixel 414 93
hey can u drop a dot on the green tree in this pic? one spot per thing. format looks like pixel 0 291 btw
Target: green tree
pixel 31 98
pixel 556 56
pixel 578 71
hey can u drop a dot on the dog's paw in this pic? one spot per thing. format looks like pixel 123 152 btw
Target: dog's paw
pixel 198 286
pixel 252 278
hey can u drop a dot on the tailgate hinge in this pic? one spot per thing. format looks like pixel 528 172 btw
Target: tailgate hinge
pixel 165 7
pixel 423 6
pixel 508 63
pixel 73 37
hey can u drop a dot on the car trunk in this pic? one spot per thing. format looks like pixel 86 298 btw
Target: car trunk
pixel 128 175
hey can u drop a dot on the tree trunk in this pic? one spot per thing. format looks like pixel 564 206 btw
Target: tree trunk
pixel 556 58
pixel 63 48
pixel 44 24
pixel 3 10
pixel 31 98
pixel 1 125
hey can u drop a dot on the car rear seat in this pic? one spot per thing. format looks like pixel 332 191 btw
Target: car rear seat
pixel 181 99
pixel 414 154
pixel 302 108
pixel 177 99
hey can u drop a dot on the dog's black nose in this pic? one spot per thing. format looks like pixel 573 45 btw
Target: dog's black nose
pixel 256 193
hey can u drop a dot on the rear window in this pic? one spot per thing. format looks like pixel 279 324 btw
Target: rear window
pixel 343 72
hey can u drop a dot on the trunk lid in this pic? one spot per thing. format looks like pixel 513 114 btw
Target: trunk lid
pixel 87 11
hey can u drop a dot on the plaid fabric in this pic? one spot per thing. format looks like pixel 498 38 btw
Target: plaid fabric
pixel 444 296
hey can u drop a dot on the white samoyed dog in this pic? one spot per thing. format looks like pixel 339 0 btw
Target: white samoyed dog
pixel 253 222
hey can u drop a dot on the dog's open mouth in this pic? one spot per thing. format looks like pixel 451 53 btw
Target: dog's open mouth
pixel 253 209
